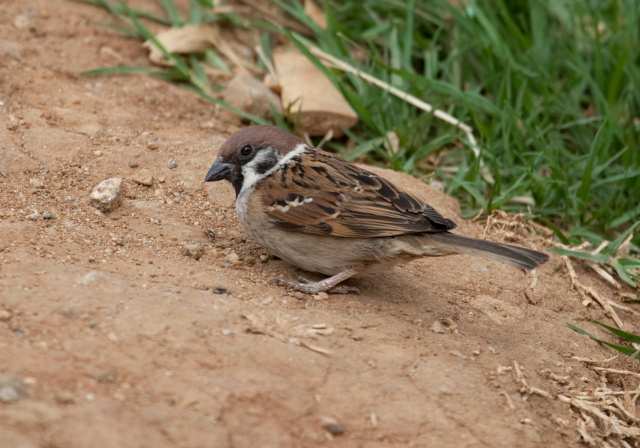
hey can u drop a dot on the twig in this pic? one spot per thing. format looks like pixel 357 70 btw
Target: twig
pixel 583 290
pixel 509 400
pixel 621 372
pixel 593 361
pixel 605 275
pixel 525 388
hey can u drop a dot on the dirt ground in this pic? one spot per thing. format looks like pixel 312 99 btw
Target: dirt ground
pixel 111 336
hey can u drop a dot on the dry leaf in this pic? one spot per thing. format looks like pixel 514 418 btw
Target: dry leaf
pixel 315 103
pixel 315 13
pixel 183 40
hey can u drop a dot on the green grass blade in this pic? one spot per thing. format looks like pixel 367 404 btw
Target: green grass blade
pixel 585 186
pixel 597 258
pixel 172 13
pixel 118 11
pixel 621 334
pixel 195 12
pixel 613 246
pixel 126 70
pixel 253 118
pixel 407 37
pixel 122 29
pixel 147 35
pixel 629 351
pixel 623 273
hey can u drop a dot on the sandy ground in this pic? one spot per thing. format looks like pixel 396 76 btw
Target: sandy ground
pixel 111 336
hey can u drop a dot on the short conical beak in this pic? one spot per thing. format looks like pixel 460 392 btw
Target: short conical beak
pixel 218 171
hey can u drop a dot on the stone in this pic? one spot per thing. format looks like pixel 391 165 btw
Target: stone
pixel 107 195
pixel 194 251
pixel 143 177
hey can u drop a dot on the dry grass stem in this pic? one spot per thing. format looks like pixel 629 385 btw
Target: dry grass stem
pixel 586 291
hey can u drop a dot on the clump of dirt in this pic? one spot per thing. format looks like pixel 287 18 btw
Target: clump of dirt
pixel 114 334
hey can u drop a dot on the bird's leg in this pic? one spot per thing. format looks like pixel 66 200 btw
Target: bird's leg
pixel 329 285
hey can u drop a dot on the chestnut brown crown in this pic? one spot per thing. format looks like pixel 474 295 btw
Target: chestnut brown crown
pixel 259 136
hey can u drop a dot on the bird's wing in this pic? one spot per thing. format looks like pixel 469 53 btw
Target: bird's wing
pixel 320 193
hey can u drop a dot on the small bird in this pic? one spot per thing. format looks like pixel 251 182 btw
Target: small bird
pixel 322 214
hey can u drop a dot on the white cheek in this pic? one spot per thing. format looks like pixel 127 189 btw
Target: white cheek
pixel 252 177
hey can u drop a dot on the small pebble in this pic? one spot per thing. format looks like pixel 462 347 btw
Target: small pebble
pixel 233 257
pixel 133 164
pixel 321 296
pixel 153 144
pixel 5 315
pixel 143 177
pixel 34 216
pixel 47 215
pixel 65 397
pixel 220 290
pixel 334 428
pixel 36 183
pixel 194 251
pixel 11 389
pixel 107 195
pixel 8 394
pixel 437 327
pixel 105 376
pixel 476 353
pixel 13 123
pixel 172 164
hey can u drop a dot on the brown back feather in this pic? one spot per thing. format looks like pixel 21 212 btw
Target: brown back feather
pixel 344 201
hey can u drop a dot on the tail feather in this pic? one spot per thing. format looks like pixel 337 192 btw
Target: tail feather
pixel 520 257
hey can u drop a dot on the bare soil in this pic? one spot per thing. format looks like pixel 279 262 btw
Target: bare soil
pixel 115 338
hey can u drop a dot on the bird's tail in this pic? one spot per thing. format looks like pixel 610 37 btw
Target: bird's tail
pixel 520 257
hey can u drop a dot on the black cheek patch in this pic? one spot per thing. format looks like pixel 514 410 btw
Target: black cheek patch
pixel 267 163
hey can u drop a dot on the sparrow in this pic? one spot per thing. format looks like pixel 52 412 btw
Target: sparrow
pixel 316 211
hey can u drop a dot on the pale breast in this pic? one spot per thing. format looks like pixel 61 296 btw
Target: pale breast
pixel 315 253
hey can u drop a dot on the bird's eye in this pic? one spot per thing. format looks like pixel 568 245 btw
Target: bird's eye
pixel 246 150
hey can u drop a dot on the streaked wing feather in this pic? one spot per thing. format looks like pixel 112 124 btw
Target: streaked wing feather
pixel 344 201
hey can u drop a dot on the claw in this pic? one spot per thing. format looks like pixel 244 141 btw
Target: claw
pixel 309 287
pixel 302 279
pixel 329 285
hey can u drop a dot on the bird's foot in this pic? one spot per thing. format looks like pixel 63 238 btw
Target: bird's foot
pixel 328 285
